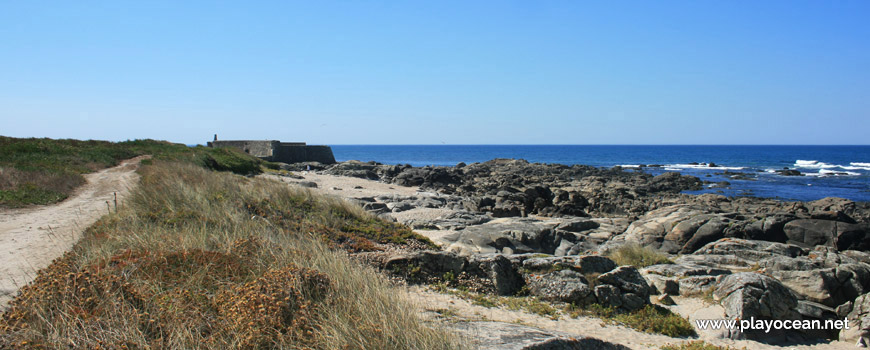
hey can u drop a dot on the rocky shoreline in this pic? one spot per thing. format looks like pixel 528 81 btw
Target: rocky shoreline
pixel 509 225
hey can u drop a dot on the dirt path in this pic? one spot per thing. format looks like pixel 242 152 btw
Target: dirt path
pixel 31 238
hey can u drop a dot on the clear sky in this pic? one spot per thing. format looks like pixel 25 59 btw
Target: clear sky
pixel 432 72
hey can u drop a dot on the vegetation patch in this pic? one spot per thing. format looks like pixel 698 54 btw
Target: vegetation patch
pixel 650 319
pixel 638 256
pixel 197 259
pixel 44 171
pixel 517 303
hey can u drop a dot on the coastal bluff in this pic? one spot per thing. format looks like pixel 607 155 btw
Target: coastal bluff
pixel 277 151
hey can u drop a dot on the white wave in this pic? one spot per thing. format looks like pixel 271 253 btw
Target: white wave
pixel 673 169
pixel 855 167
pixel 813 164
pixel 630 166
pixel 772 171
pixel 705 166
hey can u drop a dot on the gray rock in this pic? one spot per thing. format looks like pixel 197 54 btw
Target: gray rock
pixel 430 262
pixel 582 264
pixel 565 286
pixel 859 320
pixel 828 286
pixel 520 235
pixel 666 299
pixel 628 280
pixel 750 249
pixel 509 336
pixel 811 232
pixel 608 295
pixel 662 285
pixel 684 270
pixel 632 301
pixel 811 310
pixel 752 295
pixel 399 206
pixel 578 225
pixel 499 270
pixel 307 184
pixel 698 285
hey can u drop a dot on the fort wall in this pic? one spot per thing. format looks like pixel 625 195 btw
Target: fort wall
pixel 277 151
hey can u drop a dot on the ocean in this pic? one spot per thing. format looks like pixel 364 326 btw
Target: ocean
pixel 829 171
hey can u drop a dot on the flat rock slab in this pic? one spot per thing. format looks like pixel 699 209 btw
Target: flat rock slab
pixel 510 336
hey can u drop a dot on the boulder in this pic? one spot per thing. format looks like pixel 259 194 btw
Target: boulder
pixel 566 286
pixel 662 285
pixel 491 335
pixel 698 285
pixel 811 232
pixel 828 286
pixel 678 228
pixel 583 264
pixel 498 269
pixel 424 264
pixel 859 321
pixel 749 295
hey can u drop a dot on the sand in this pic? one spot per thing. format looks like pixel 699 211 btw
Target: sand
pixel 30 238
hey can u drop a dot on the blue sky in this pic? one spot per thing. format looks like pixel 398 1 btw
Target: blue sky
pixel 464 72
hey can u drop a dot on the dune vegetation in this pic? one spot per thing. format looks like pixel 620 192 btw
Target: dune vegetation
pixel 45 171
pixel 201 259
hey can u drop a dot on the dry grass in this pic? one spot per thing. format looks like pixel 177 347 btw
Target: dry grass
pixel 198 259
pixel 44 171
pixel 638 256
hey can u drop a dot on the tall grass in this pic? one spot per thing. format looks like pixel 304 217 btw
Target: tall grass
pixel 198 259
pixel 638 256
pixel 44 171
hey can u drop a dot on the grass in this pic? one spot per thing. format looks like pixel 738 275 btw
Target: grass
pixel 528 304
pixel 650 319
pixel 45 171
pixel 197 259
pixel 638 256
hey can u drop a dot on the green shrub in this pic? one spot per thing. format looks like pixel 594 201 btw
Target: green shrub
pixel 228 159
pixel 650 319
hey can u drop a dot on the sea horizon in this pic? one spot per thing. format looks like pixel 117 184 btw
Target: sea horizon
pixel 749 170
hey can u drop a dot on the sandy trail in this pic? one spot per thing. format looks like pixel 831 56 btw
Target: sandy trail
pixel 30 238
pixel 426 300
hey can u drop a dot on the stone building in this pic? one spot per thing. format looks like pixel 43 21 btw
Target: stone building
pixel 277 151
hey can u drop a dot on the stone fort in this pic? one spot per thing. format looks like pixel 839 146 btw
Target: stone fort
pixel 277 151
